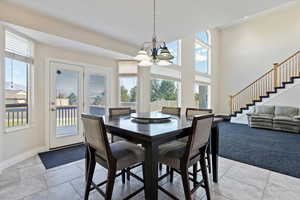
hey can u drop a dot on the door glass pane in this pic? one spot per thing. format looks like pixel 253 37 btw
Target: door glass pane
pixel 67 92
pixel 96 91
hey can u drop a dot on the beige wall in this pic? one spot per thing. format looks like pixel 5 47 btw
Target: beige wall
pixel 249 49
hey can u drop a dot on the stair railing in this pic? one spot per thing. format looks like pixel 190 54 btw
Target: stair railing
pixel 279 74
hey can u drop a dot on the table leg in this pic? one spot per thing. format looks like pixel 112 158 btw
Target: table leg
pixel 151 174
pixel 215 152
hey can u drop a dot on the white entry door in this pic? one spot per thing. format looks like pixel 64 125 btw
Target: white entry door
pixel 66 104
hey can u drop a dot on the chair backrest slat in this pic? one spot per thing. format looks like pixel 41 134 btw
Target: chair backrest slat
pixel 171 110
pixel 191 112
pixel 95 134
pixel 119 111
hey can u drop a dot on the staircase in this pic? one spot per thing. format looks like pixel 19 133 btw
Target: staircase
pixel 269 83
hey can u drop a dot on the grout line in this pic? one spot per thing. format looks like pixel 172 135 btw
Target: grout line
pixel 267 183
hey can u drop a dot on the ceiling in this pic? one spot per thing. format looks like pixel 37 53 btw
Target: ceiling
pixel 132 20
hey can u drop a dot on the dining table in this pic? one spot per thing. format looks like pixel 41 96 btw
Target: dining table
pixel 152 135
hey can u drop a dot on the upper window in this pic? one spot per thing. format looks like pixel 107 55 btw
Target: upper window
pixel 18 59
pixel 174 50
pixel 202 52
pixel 164 93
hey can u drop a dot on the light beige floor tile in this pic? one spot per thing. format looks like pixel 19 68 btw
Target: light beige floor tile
pixel 62 175
pixel 36 170
pixel 35 160
pixel 9 177
pixel 224 166
pixel 249 174
pixel 23 188
pixel 60 192
pixel 276 192
pixel 287 182
pixel 236 190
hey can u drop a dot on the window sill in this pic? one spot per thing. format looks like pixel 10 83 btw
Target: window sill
pixel 17 129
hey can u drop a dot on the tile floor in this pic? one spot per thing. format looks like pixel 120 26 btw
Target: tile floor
pixel 29 180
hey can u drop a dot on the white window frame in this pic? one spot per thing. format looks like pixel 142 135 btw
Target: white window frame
pixel 30 81
pixel 208 46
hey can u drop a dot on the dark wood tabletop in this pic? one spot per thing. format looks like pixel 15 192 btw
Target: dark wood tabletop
pixel 151 135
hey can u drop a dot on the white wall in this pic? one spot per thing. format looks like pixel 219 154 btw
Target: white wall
pixel 249 49
pixel 2 44
pixel 17 142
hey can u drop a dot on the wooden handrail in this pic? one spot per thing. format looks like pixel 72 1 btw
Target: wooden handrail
pixel 289 58
pixel 253 82
pixel 267 82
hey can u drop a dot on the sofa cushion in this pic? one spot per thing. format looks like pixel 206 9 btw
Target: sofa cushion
pixel 262 117
pixel 286 111
pixel 269 110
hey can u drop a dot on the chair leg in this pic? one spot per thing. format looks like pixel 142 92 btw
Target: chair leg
pixel 186 183
pixel 204 174
pixel 111 176
pixel 208 162
pixel 123 175
pixel 171 175
pixel 160 167
pixel 128 173
pixel 90 172
pixel 143 168
pixel 195 177
pixel 168 169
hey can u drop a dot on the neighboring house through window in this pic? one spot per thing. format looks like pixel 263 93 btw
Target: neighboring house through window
pixel 18 61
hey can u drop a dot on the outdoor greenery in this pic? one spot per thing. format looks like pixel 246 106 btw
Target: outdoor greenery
pixel 72 99
pixel 201 97
pixel 163 89
pixel 128 96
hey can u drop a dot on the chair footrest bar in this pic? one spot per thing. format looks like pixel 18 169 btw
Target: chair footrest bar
pixel 134 193
pixel 167 193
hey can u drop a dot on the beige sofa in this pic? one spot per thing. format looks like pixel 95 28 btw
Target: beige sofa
pixel 284 118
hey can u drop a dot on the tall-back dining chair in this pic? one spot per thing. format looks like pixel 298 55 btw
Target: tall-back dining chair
pixel 190 113
pixel 112 156
pixel 171 110
pixel 118 112
pixel 180 156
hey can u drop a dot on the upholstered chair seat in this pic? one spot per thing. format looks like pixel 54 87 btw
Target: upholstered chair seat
pixel 125 153
pixel 171 153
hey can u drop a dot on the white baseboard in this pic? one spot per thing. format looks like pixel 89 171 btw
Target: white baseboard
pixel 19 158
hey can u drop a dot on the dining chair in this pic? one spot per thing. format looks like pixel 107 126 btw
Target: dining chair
pixel 190 113
pixel 171 110
pixel 112 156
pixel 180 156
pixel 119 111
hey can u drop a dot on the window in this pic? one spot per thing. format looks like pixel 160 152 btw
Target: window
pixel 18 59
pixel 128 91
pixel 202 94
pixel 202 52
pixel 174 50
pixel 164 93
pixel 128 84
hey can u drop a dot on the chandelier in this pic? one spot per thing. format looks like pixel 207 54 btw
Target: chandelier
pixel 154 52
